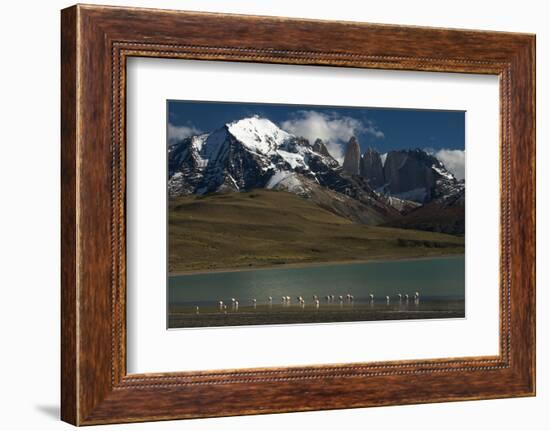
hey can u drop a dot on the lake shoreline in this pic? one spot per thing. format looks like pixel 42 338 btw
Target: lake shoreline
pixel 184 321
pixel 315 264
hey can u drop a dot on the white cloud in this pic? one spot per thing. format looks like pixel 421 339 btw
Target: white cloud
pixel 177 133
pixel 371 129
pixel 335 130
pixel 454 161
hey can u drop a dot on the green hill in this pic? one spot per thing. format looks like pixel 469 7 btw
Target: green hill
pixel 263 228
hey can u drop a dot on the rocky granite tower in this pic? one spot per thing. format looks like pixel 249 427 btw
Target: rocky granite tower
pixel 411 172
pixel 352 158
pixel 320 147
pixel 372 169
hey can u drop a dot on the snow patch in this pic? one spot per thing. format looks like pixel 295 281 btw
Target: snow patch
pixel 258 134
pixel 443 172
pixel 295 160
pixel 276 178
pixel 293 184
pixel 401 204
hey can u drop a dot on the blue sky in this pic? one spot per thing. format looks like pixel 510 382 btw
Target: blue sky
pixel 442 132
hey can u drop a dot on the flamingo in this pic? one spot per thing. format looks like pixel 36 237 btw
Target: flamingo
pixel 371 296
pixel 399 296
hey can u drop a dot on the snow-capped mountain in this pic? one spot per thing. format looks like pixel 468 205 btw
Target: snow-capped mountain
pixel 254 152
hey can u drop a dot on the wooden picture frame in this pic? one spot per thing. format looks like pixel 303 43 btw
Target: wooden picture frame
pixel 95 43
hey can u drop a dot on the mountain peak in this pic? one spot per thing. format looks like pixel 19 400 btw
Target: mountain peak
pixel 253 121
pixel 372 168
pixel 320 147
pixel 258 134
pixel 352 157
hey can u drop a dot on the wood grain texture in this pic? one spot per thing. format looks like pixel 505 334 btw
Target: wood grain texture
pixel 96 41
pixel 69 397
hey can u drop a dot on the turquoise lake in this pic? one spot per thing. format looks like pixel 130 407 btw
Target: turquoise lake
pixel 435 279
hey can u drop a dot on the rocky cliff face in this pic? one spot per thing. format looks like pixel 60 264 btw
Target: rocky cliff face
pixel 372 169
pixel 410 174
pixel 352 157
pixel 320 147
pixel 419 176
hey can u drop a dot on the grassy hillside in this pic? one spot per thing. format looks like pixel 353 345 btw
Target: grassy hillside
pixel 265 228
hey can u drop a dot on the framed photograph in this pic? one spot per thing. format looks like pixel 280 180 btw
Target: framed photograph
pixel 324 214
pixel 278 215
